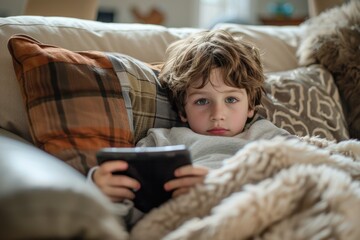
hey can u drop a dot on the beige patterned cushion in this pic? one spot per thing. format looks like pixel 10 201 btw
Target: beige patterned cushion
pixel 305 101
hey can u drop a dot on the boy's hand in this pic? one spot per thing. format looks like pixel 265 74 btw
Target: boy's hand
pixel 116 187
pixel 186 177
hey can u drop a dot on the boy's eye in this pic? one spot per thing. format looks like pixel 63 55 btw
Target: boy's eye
pixel 201 101
pixel 231 100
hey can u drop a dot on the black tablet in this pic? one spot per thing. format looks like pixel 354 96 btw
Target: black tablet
pixel 152 167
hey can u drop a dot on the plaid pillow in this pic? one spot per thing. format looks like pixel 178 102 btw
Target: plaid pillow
pixel 146 102
pixel 79 102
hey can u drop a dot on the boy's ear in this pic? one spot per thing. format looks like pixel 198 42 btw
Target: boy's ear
pixel 251 113
pixel 182 118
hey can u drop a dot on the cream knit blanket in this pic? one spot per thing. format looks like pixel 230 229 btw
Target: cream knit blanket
pixel 279 189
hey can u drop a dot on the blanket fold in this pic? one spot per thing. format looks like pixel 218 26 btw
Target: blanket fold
pixel 305 188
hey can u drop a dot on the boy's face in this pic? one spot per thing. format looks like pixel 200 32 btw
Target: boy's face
pixel 217 109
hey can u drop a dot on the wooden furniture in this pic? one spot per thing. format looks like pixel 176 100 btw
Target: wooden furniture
pixel 277 21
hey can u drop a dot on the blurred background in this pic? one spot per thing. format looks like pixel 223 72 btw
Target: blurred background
pixel 170 13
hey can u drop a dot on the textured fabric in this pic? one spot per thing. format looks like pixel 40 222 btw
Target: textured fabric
pixel 73 101
pixel 271 189
pixel 210 151
pixel 305 101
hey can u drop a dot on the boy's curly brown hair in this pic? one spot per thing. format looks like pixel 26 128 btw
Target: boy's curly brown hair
pixel 191 60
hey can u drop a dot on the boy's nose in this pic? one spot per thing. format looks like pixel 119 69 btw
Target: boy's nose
pixel 217 112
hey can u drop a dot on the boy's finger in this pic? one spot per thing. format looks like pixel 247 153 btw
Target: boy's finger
pixel 119 194
pixel 182 182
pixel 124 181
pixel 113 166
pixel 191 170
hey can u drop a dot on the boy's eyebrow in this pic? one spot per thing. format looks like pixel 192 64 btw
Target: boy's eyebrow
pixel 201 91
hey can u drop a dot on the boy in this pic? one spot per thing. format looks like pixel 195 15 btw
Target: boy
pixel 214 81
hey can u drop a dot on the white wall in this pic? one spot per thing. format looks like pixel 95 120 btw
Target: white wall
pixel 179 13
pixel 212 11
pixel 11 7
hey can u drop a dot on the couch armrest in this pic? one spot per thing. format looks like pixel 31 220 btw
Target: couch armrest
pixel 10 135
pixel 42 197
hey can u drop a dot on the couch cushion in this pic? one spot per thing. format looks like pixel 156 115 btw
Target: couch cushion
pixel 146 101
pixel 78 102
pixel 305 101
pixel 277 44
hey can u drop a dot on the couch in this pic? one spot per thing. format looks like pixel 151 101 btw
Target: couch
pixel 50 131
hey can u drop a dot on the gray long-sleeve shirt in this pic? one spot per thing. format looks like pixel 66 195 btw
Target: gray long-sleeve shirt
pixel 210 151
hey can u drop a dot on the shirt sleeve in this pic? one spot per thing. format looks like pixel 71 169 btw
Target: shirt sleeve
pixel 147 141
pixel 89 177
pixel 263 129
pixel 125 210
pixel 156 137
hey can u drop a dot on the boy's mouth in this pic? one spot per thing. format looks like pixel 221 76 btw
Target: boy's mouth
pixel 217 131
